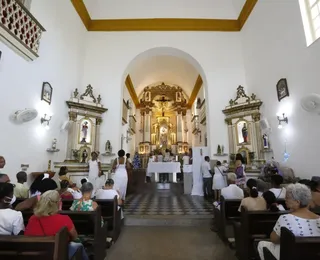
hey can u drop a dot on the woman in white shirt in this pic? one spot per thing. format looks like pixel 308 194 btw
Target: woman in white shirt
pixel 108 192
pixel 11 221
pixel 301 221
pixel 219 181
pixel 276 181
pixel 94 170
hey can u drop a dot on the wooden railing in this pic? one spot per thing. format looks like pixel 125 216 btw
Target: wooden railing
pixel 19 29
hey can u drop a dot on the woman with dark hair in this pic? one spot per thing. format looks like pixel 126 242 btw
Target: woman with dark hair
pixel 64 192
pixel 271 201
pixel 120 176
pixel 253 202
pixel 11 221
pixel 41 186
pixel 276 181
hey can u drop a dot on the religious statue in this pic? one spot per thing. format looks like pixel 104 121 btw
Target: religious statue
pixel 54 144
pixel 265 141
pixel 84 131
pixel 84 156
pixel 245 133
pixel 108 147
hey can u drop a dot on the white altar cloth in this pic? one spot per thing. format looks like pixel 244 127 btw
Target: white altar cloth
pixel 163 167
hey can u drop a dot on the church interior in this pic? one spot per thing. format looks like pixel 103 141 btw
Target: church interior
pixel 147 97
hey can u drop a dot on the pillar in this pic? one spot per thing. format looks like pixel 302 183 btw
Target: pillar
pixel 230 136
pixel 259 146
pixel 97 141
pixel 72 134
pixel 179 127
pixel 147 123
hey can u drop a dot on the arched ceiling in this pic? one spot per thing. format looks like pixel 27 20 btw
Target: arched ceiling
pixel 171 70
pixel 126 9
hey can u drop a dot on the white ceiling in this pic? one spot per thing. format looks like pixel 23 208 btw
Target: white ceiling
pixel 126 9
pixel 168 69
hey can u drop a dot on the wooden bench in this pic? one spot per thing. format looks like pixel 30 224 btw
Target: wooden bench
pixel 88 225
pixel 66 204
pixel 225 216
pixel 296 248
pixel 112 215
pixel 37 248
pixel 253 225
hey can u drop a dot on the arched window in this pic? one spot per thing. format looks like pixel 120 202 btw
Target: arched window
pixel 310 11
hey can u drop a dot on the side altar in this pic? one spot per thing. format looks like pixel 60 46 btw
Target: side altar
pixel 85 118
pixel 245 135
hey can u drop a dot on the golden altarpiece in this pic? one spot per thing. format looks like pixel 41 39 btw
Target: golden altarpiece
pixel 163 113
pixel 85 118
pixel 244 133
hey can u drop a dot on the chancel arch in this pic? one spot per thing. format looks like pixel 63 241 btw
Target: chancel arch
pixel 165 80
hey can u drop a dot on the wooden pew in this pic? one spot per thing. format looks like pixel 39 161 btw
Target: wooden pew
pixel 37 248
pixel 296 248
pixel 253 225
pixel 112 215
pixel 226 215
pixel 88 226
pixel 66 204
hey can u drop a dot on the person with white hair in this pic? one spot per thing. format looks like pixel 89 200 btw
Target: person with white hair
pixel 300 221
pixel 232 191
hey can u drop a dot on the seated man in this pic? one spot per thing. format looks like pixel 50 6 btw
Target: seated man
pixel 21 191
pixel 4 178
pixel 108 193
pixel 232 191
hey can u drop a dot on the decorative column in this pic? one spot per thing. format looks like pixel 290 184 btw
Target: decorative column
pixel 256 118
pixel 72 134
pixel 185 128
pixel 97 141
pixel 147 123
pixel 141 130
pixel 179 127
pixel 230 136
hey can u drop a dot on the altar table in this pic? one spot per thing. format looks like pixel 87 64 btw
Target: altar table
pixel 163 167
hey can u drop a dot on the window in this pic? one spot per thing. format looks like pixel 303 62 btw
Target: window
pixel 310 10
pixel 26 3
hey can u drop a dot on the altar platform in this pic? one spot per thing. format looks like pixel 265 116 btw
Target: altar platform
pixel 162 207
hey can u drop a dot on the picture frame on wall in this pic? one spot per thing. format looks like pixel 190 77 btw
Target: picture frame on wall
pixel 282 89
pixel 46 93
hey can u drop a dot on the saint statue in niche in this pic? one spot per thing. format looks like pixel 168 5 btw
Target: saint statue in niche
pixel 85 132
pixel 265 141
pixel 108 147
pixel 84 156
pixel 243 132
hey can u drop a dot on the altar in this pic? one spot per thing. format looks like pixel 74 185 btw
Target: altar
pixel 164 167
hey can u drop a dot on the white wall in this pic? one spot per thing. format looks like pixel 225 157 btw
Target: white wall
pixel 219 55
pixel 275 47
pixel 60 63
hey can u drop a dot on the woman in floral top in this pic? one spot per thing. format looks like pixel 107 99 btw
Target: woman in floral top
pixel 85 203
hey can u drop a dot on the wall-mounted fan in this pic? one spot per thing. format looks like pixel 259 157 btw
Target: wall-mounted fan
pixel 26 115
pixel 311 103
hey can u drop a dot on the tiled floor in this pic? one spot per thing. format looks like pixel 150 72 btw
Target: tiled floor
pixel 156 199
pixel 169 243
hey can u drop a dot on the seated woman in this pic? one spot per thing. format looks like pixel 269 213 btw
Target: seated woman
pixel 63 176
pixel 85 203
pixel 42 187
pixel 271 201
pixel 108 193
pixel 253 202
pixel 64 192
pixel 239 171
pixel 11 221
pixel 301 221
pixel 276 181
pixel 47 222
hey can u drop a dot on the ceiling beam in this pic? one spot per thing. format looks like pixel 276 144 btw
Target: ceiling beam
pixel 246 11
pixel 82 12
pixel 164 24
pixel 195 91
pixel 132 91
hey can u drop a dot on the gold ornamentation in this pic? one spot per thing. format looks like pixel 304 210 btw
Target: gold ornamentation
pixel 89 92
pixel 256 117
pixel 98 121
pixel 72 116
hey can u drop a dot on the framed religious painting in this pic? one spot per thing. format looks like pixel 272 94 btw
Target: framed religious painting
pixel 46 93
pixel 282 89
